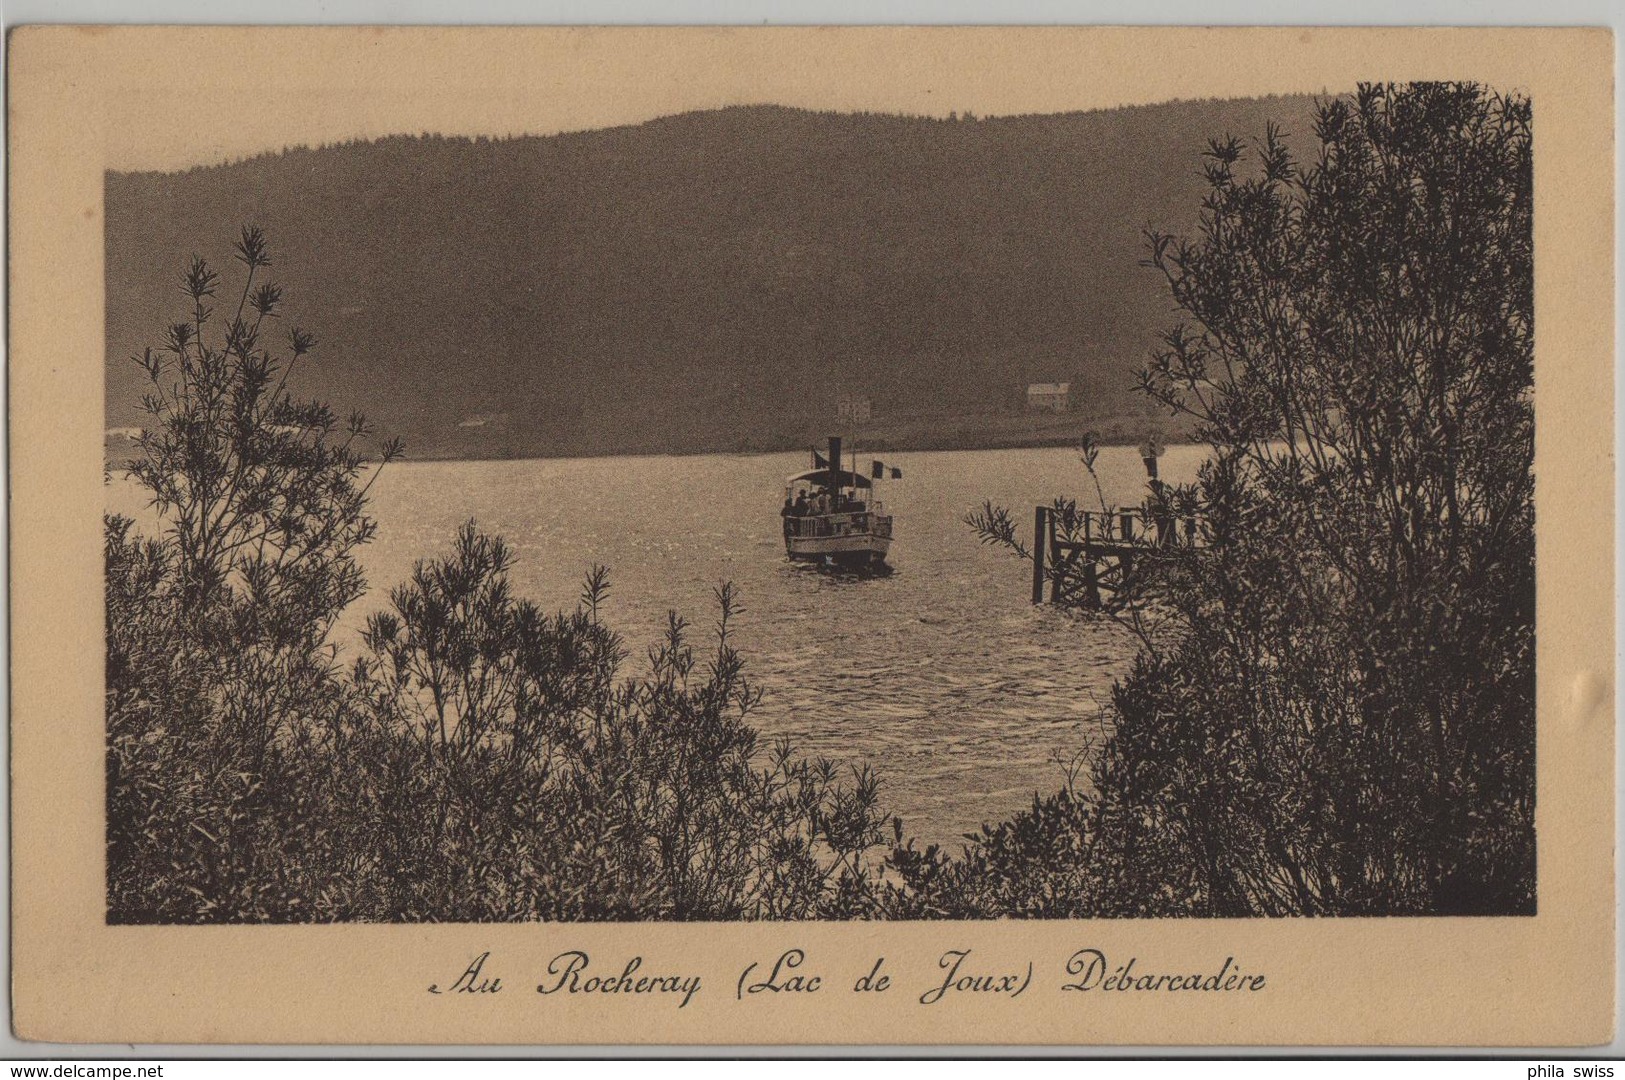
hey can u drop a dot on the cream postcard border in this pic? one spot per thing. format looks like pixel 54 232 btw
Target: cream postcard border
pixel 81 98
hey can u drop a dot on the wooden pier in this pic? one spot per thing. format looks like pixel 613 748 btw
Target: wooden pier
pixel 1088 557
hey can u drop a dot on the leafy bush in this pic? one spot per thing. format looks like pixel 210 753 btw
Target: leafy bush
pixel 644 797
pixel 481 761
pixel 220 673
pixel 1337 716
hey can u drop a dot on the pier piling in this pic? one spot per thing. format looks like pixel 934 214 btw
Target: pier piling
pixel 1090 560
pixel 1040 548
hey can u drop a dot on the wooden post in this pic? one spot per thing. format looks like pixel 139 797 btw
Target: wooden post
pixel 1058 566
pixel 1091 581
pixel 1040 546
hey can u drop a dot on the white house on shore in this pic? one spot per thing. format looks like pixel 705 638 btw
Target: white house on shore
pixel 854 410
pixel 1049 397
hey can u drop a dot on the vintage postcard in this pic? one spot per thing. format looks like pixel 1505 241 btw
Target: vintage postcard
pixel 812 536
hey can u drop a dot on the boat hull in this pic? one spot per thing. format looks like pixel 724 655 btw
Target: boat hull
pixel 838 550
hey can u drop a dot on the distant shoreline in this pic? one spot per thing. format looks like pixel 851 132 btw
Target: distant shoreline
pixel 1042 442
pixel 1108 433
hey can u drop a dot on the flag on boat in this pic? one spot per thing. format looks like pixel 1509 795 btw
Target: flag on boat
pixel 878 470
pixel 819 460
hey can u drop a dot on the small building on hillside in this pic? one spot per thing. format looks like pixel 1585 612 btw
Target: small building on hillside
pixel 853 410
pixel 1049 397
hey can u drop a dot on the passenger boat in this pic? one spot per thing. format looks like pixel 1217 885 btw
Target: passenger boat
pixel 832 516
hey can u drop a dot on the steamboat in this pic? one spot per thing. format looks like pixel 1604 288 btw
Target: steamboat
pixel 832 514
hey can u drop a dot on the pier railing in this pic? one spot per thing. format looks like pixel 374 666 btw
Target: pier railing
pixel 1089 557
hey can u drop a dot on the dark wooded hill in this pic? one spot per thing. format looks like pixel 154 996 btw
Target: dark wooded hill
pixel 707 281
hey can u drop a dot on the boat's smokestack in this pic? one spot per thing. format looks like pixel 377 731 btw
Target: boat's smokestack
pixel 834 467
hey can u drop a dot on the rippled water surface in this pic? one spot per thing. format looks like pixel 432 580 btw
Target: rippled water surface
pixel 964 696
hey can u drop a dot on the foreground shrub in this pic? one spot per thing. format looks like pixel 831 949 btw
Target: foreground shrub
pixel 481 761
pixel 1337 713
pixel 220 671
pixel 563 792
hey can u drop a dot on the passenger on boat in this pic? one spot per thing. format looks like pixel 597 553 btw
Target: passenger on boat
pixel 800 509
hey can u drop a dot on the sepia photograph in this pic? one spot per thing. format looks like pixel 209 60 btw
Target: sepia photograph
pixel 802 536
pixel 630 523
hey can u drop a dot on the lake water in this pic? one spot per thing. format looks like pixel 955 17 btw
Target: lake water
pixel 964 697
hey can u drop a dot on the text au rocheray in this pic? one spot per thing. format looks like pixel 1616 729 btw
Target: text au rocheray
pixel 568 974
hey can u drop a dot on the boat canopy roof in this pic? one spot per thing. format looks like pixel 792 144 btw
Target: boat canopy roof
pixel 820 478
